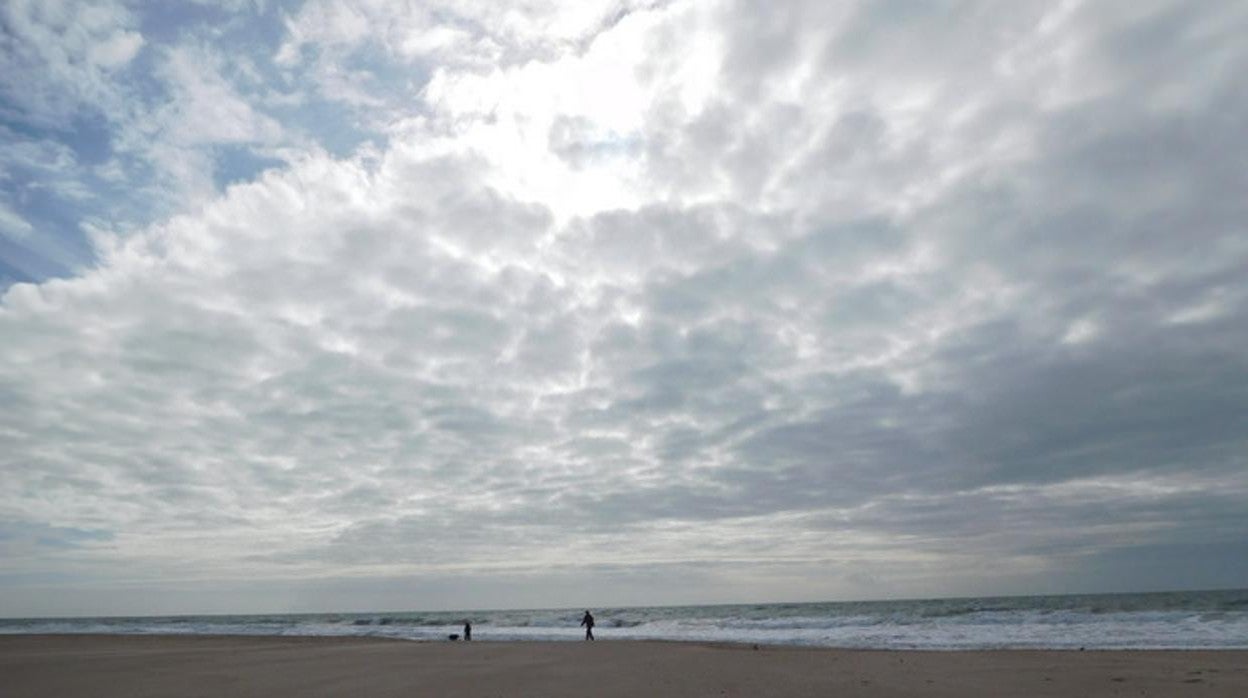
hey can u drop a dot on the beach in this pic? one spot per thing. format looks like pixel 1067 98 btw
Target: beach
pixel 136 666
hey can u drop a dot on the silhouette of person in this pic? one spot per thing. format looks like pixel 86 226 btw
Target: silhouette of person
pixel 588 622
pixel 467 631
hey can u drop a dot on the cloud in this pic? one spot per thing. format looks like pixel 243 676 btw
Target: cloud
pixel 856 300
pixel 109 127
pixel 203 113
pixel 205 107
pixel 75 46
pixel 117 50
pixel 13 225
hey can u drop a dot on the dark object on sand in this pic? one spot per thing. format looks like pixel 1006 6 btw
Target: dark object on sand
pixel 452 637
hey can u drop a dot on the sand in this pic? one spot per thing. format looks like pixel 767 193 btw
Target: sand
pixel 136 666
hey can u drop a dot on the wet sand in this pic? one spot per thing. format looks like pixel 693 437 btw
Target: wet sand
pixel 136 666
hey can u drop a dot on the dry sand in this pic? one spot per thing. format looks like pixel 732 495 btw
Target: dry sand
pixel 136 666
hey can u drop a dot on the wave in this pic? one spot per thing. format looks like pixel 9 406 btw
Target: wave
pixel 1185 620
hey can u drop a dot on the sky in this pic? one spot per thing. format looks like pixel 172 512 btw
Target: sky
pixel 375 305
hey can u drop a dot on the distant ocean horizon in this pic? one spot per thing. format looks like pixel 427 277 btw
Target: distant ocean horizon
pixel 1155 620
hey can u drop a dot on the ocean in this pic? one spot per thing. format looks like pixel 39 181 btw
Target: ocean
pixel 1166 620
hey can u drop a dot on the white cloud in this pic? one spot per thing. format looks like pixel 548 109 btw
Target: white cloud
pixel 117 50
pixel 73 46
pixel 202 110
pixel 13 224
pixel 573 131
pixel 205 107
pixel 459 33
pixel 845 288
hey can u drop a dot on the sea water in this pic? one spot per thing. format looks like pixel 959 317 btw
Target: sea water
pixel 1170 620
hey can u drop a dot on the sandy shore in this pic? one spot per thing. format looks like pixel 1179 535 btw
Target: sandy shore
pixel 136 666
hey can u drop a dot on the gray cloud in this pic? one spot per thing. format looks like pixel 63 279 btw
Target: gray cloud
pixel 910 302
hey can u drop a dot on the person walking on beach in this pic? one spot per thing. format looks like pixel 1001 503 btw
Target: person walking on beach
pixel 588 622
pixel 467 631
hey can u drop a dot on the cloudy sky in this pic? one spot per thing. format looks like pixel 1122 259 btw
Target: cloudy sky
pixel 334 305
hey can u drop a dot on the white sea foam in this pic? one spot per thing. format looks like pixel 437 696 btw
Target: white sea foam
pixel 1187 620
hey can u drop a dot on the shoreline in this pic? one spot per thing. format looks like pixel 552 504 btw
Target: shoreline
pixel 35 666
pixel 727 644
